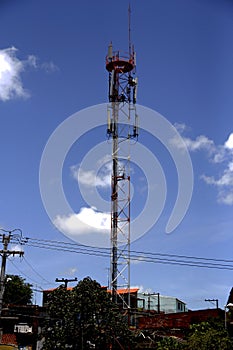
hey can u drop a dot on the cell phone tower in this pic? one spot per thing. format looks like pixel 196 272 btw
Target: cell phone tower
pixel 122 129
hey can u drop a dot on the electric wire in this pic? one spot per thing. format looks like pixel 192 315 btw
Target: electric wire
pixel 107 250
pixel 35 282
pixel 24 274
pixel 161 258
pixel 73 244
pixel 36 272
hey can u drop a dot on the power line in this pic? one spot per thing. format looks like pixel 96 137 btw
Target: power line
pixel 171 259
pixel 36 272
pixel 107 250
pixel 24 274
pixel 65 249
pixel 136 258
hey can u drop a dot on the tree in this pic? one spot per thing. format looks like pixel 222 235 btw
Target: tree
pixel 17 291
pixel 85 318
pixel 209 335
pixel 169 343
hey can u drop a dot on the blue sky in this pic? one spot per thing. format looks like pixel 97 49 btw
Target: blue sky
pixel 52 65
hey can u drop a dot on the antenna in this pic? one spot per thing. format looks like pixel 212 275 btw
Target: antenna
pixel 129 28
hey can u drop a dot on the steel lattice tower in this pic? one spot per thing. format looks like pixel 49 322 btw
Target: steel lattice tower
pixel 123 130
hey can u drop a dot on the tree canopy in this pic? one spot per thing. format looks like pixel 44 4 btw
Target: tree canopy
pixel 209 335
pixel 85 318
pixel 17 291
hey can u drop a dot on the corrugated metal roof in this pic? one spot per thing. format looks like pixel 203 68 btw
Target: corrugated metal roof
pixel 119 291
pixel 125 290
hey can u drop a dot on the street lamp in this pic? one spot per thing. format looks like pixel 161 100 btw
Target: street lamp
pixel 228 306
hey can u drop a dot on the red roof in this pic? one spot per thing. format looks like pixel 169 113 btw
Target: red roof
pixel 126 291
pixel 119 291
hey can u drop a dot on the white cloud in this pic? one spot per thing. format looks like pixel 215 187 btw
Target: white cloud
pixel 225 197
pixel 200 143
pixel 225 180
pixel 17 247
pixel 31 61
pixel 34 62
pixel 86 178
pixel 105 160
pixel 49 67
pixel 11 69
pixel 224 183
pixel 100 175
pixel 218 154
pixel 10 75
pixel 142 289
pixel 180 127
pixel 89 178
pixel 87 221
pixel 71 271
pixel 229 143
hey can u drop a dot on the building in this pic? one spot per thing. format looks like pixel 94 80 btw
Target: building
pixel 160 303
pixel 122 298
pixel 176 324
pixel 21 325
pixel 142 301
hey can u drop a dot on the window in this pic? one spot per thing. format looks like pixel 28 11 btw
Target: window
pixel 180 306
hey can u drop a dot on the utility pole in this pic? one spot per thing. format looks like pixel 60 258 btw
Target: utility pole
pixel 6 238
pixel 213 300
pixel 149 295
pixel 66 280
pixel 5 252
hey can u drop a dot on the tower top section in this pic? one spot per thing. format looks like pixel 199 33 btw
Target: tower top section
pixel 121 63
pixel 118 62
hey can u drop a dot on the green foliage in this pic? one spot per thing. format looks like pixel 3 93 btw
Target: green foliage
pixel 84 316
pixel 209 335
pixel 169 343
pixel 17 291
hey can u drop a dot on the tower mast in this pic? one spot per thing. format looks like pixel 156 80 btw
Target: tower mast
pixel 122 129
